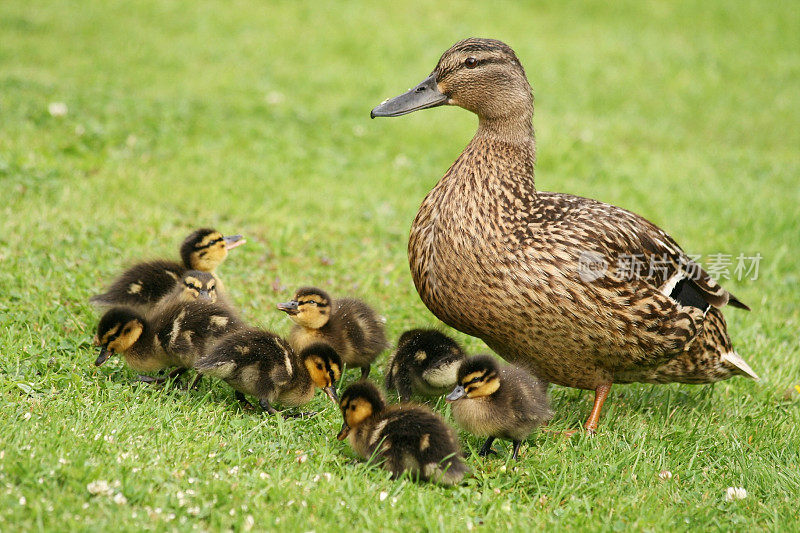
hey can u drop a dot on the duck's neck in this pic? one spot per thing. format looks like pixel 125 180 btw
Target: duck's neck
pixel 143 347
pixel 512 145
pixel 300 389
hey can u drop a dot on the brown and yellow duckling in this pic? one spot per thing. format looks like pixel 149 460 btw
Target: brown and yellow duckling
pixel 172 338
pixel 350 326
pixel 404 437
pixel 425 362
pixel 497 401
pixel 537 274
pixel 144 284
pixel 261 364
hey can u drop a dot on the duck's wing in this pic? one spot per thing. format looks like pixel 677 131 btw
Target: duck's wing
pixel 638 249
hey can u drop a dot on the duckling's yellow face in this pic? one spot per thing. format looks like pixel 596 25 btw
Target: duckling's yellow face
pixel 481 75
pixel 208 252
pixel 199 286
pixel 324 373
pixel 117 339
pixel 354 410
pixel 309 310
pixel 476 384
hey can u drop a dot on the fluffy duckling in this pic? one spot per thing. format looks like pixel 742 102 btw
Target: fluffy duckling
pixel 498 401
pixel 262 364
pixel 350 326
pixel 405 437
pixel 426 363
pixel 144 284
pixel 174 337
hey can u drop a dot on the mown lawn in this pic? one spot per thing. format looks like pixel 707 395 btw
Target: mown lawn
pixel 253 117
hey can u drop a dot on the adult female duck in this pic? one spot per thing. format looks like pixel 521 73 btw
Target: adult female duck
pixel 533 273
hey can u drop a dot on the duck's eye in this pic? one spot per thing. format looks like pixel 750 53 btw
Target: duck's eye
pixel 319 366
pixel 470 62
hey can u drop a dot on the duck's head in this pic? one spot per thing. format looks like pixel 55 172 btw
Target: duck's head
pixel 481 75
pixel 324 366
pixel 206 248
pixel 119 328
pixel 198 285
pixel 478 376
pixel 310 307
pixel 359 401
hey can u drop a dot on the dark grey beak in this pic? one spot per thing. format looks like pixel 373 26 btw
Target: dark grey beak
pixel 423 96
pixel 457 393
pixel 105 353
pixel 204 296
pixel 232 241
pixel 290 308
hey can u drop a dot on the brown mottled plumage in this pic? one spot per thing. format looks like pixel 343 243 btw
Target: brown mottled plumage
pixel 534 274
pixel 403 437
pixel 141 286
pixel 350 326
pixel 498 401
pixel 262 364
pixel 174 337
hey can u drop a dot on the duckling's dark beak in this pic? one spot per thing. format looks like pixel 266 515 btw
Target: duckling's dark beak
pixel 204 296
pixel 458 392
pixel 105 353
pixel 344 432
pixel 423 96
pixel 331 392
pixel 290 308
pixel 232 241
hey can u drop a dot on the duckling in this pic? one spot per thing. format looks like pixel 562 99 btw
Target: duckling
pixel 174 337
pixel 532 273
pixel 426 362
pixel 142 285
pixel 494 401
pixel 262 364
pixel 350 326
pixel 405 437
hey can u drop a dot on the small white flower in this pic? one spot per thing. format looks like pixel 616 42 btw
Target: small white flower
pixel 302 458
pixel 506 507
pixel 99 488
pixel 263 475
pixel 194 511
pixel 383 495
pixel 249 522
pixel 735 493
pixel 120 499
pixel 665 475
pixel 233 471
pixel 212 455
pixel 22 500
pixel 27 415
pixel 57 109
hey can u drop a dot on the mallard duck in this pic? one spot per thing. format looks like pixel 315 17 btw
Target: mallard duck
pixel 425 362
pixel 350 326
pixel 262 364
pixel 497 401
pixel 533 273
pixel 174 337
pixel 404 437
pixel 142 285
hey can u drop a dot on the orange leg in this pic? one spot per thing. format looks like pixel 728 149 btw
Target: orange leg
pixel 600 395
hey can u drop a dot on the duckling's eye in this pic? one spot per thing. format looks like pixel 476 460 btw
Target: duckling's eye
pixel 352 407
pixel 470 62
pixel 319 366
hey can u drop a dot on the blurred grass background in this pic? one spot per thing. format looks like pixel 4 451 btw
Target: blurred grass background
pixel 253 118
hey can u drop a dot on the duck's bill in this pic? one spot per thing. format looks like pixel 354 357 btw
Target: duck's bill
pixel 288 307
pixel 204 296
pixel 331 392
pixel 232 241
pixel 458 392
pixel 344 432
pixel 423 96
pixel 105 353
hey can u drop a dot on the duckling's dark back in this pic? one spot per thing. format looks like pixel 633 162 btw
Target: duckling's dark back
pixel 359 326
pixel 190 327
pixel 523 395
pixel 425 361
pixel 141 285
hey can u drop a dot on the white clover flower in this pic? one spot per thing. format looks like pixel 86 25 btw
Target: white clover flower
pixel 665 475
pixel 57 109
pixel 735 493
pixel 99 488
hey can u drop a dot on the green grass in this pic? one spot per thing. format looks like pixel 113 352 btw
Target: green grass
pixel 253 118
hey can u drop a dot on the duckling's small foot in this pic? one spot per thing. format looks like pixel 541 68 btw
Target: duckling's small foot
pixel 151 380
pixel 515 454
pixel 486 449
pixel 245 405
pixel 365 371
pixel 265 405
